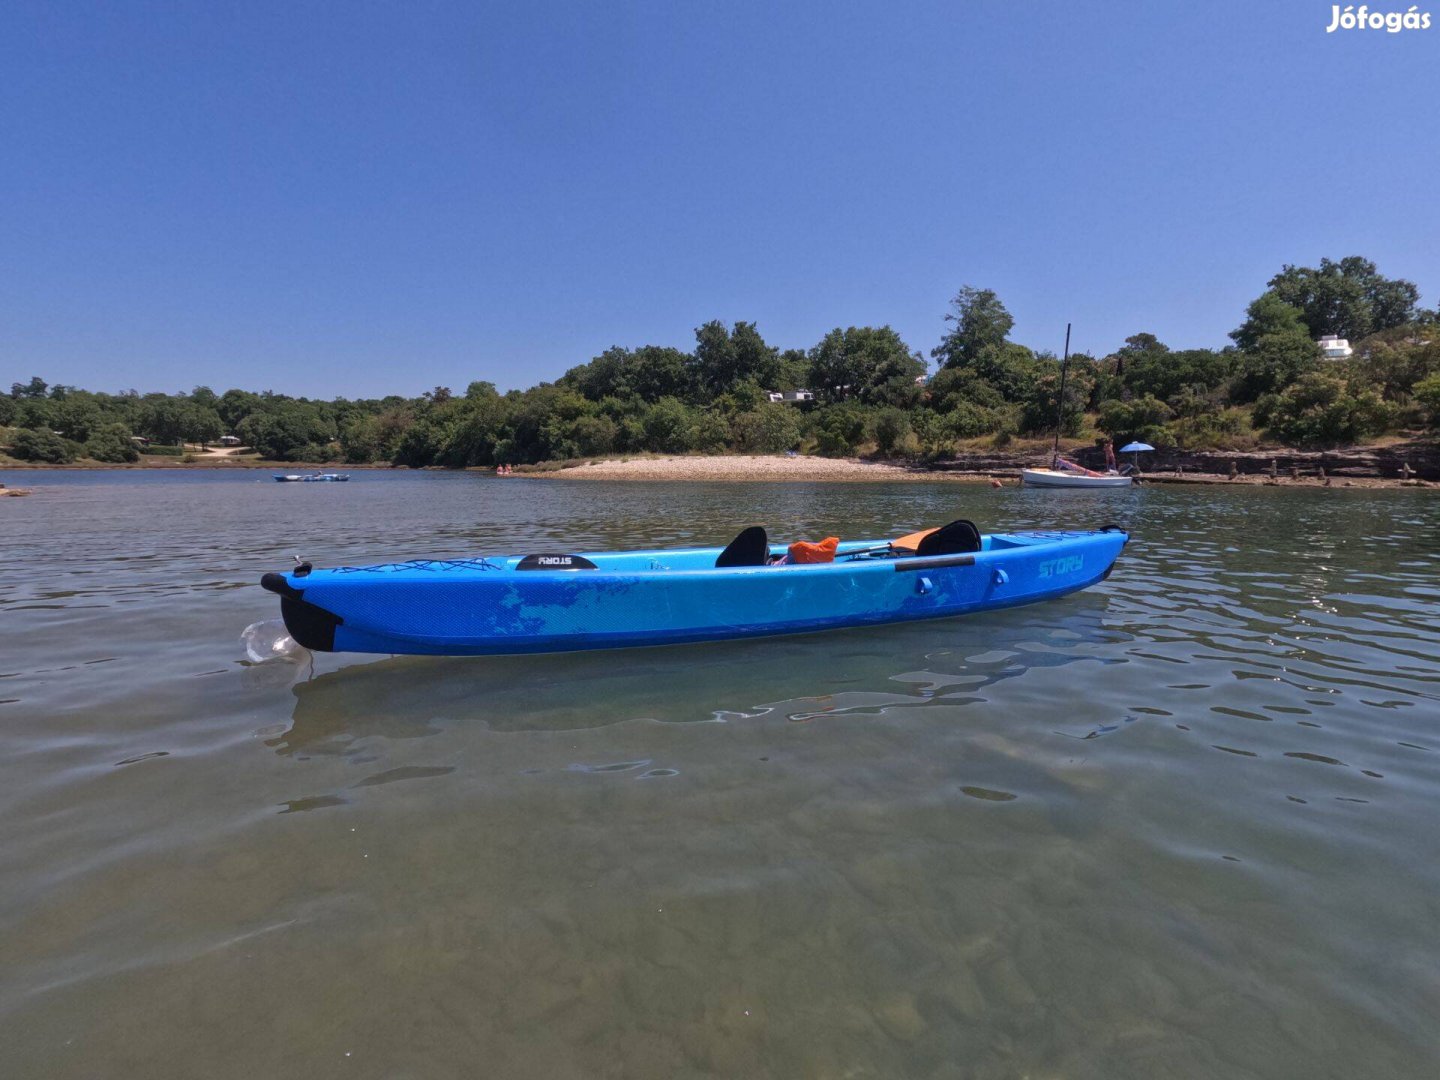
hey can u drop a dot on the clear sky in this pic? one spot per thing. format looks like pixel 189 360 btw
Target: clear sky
pixel 367 198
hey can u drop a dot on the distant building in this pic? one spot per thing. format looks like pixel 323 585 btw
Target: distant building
pixel 139 440
pixel 229 440
pixel 1335 348
pixel 790 396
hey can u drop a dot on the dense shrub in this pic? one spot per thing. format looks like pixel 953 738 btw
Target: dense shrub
pixel 768 429
pixel 969 421
pixel 594 435
pixel 1143 419
pixel 669 427
pixel 112 443
pixel 42 446
pixel 1208 430
pixel 892 431
pixel 839 430
pixel 1322 410
pixel 1427 394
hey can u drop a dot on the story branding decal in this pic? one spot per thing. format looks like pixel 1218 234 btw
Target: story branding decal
pixel 1056 567
pixel 1362 18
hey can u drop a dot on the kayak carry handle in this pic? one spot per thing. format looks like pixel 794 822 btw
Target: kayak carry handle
pixel 933 562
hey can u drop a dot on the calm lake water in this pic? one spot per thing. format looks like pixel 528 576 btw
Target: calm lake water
pixel 1183 824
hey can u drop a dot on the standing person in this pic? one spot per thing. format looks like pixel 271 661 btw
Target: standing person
pixel 1110 455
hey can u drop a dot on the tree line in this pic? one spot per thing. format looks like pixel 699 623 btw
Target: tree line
pixel 870 393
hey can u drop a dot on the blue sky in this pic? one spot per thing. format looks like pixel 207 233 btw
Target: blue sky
pixel 364 198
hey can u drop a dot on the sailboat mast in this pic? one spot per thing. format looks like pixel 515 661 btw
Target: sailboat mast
pixel 1060 404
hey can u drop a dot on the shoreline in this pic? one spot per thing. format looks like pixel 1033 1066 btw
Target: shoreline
pixel 776 468
pixel 272 466
pixel 996 469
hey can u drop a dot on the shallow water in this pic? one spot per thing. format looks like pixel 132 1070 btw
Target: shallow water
pixel 1182 824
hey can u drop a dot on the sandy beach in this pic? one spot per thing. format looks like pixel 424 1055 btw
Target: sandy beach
pixel 775 467
pixel 779 468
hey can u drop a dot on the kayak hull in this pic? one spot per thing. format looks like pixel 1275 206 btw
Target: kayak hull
pixel 1059 479
pixel 487 607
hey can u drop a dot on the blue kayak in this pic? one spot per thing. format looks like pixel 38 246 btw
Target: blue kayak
pixel 560 602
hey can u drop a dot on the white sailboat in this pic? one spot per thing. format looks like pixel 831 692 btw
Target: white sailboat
pixel 1062 473
pixel 1059 478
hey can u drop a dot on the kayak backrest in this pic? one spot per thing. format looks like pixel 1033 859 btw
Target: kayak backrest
pixel 750 548
pixel 958 538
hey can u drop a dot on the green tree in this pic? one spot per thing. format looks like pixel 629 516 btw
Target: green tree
pixel 162 419
pixel 725 357
pixel 660 372
pixel 112 443
pixel 1165 374
pixel 794 371
pixel 289 432
pixel 980 323
pixel 1349 298
pixel 1276 348
pixel 952 387
pixel 75 416
pixel 201 424
pixel 236 405
pixel 1041 403
pixel 868 364
pixel 35 388
pixel 1276 361
pixel 1268 315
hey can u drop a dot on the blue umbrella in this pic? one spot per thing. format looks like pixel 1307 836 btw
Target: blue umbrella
pixel 1135 448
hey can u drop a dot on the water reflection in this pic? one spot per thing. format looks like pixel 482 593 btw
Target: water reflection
pixel 872 672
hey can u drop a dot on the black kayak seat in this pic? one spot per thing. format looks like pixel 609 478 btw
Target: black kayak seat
pixel 750 548
pixel 958 538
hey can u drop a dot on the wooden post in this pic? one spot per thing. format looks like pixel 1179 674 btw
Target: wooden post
pixel 1274 470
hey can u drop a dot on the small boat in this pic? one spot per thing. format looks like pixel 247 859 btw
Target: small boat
pixel 1064 478
pixel 291 478
pixel 1062 473
pixel 559 602
pixel 313 478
